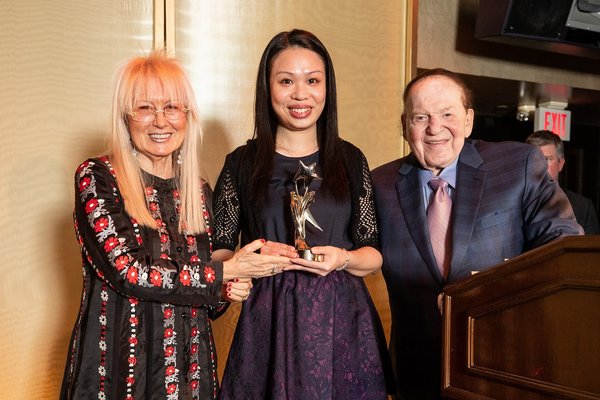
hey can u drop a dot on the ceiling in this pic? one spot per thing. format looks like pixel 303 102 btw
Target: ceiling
pixel 501 97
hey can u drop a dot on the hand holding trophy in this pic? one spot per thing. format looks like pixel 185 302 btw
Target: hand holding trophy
pixel 300 202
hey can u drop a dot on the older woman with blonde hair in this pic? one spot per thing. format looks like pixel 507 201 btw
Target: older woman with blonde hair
pixel 143 222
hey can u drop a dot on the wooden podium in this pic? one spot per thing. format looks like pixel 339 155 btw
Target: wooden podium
pixel 528 328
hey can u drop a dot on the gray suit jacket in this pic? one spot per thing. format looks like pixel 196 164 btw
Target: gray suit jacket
pixel 505 203
pixel 585 212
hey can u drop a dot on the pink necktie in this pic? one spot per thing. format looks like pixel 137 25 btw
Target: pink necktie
pixel 438 220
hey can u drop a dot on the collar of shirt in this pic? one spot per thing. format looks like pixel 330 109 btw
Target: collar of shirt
pixel 448 174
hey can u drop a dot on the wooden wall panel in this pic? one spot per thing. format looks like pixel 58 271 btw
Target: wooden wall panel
pixel 221 44
pixel 57 63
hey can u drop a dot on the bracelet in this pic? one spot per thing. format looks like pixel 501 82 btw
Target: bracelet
pixel 345 264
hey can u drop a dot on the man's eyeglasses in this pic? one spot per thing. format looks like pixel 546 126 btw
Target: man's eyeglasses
pixel 147 113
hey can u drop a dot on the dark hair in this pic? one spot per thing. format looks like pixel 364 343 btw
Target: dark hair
pixel 265 119
pixel 467 94
pixel 543 138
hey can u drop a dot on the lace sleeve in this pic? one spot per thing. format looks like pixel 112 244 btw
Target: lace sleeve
pixel 364 225
pixel 227 209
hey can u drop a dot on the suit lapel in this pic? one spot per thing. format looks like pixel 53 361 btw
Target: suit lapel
pixel 470 180
pixel 408 190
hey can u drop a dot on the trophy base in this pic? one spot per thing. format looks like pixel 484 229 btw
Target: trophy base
pixel 308 255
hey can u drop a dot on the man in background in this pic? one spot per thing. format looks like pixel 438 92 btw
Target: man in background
pixel 552 146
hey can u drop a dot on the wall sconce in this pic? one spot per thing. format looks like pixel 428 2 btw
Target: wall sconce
pixel 524 111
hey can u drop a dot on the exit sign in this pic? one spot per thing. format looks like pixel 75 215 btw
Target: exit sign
pixel 553 119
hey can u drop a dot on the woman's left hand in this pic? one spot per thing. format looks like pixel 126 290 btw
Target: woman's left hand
pixel 333 259
pixel 237 290
pixel 278 249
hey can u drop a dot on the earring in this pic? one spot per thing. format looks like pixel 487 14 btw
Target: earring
pixel 134 152
pixel 179 159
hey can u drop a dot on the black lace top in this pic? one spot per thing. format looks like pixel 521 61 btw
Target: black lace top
pixel 234 214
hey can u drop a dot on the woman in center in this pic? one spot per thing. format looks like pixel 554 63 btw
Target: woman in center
pixel 311 332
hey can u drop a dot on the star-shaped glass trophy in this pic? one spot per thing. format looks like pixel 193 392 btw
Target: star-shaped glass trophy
pixel 300 202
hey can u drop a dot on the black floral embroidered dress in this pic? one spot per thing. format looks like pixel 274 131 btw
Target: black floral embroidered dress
pixel 143 329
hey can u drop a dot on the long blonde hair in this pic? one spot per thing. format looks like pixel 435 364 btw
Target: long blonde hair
pixel 132 80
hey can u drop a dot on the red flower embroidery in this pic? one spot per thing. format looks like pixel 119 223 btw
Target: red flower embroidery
pixel 191 240
pixel 149 191
pixel 194 258
pixel 110 244
pixel 153 206
pixel 194 312
pixel 168 332
pixel 171 388
pixel 133 340
pixel 132 274
pixel 194 384
pixel 164 238
pixel 133 320
pixel 159 222
pixel 169 351
pixel 194 349
pixel 193 367
pixel 176 193
pixel 156 278
pixel 83 183
pixel 132 361
pixel 194 331
pixel 100 224
pixel 122 262
pixel 91 205
pixel 133 301
pixel 209 274
pixel 170 370
pixel 130 380
pixel 164 256
pixel 168 313
pixel 185 278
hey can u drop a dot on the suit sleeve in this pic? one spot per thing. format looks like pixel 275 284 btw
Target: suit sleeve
pixel 547 213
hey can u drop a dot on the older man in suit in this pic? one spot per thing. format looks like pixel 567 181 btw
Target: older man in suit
pixel 502 203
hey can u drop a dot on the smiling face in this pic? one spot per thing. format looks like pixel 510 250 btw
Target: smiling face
pixel 436 122
pixel 297 83
pixel 156 140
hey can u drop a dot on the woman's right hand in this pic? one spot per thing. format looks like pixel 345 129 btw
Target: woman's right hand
pixel 237 290
pixel 245 263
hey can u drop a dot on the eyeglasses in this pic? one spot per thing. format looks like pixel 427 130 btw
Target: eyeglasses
pixel 147 113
